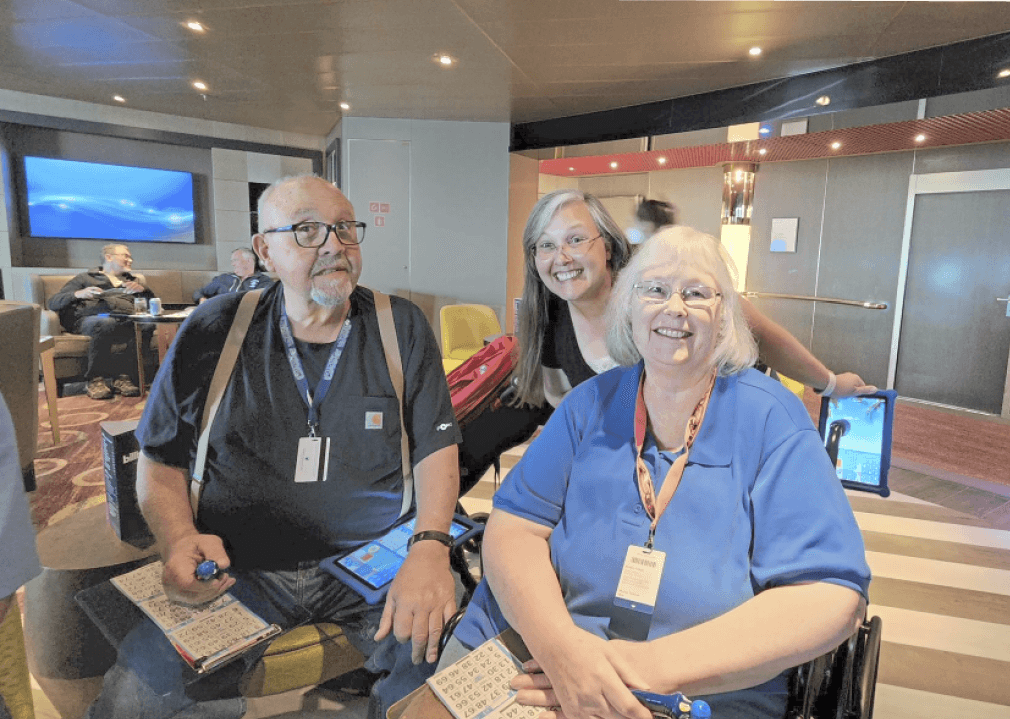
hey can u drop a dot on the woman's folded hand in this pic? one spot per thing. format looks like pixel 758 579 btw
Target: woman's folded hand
pixel 582 676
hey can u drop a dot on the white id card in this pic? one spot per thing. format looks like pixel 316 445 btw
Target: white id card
pixel 640 577
pixel 313 459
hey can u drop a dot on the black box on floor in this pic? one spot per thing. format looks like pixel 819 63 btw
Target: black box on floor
pixel 120 453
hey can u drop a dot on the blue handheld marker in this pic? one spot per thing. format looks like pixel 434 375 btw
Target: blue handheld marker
pixel 673 706
pixel 208 570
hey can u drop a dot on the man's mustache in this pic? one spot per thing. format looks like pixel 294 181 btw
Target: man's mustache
pixel 325 266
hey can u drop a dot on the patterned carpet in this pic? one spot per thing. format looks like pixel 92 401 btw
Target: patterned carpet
pixel 70 475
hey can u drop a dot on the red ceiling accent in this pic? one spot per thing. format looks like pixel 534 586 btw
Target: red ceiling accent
pixel 965 129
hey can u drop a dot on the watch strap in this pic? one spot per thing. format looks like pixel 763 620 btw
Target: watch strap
pixel 440 537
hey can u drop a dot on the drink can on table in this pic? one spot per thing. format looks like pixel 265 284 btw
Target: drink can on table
pixel 155 305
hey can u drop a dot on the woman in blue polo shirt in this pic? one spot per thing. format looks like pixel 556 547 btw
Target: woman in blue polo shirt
pixel 677 525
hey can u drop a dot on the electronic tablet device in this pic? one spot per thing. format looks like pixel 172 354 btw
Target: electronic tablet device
pixel 370 569
pixel 857 436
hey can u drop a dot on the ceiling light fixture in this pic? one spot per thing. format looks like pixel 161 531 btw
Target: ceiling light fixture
pixel 920 138
pixel 195 26
pixel 613 165
pixel 661 160
pixel 571 169
pixel 1004 73
pixel 835 145
pixel 762 151
pixel 345 106
pixel 765 130
pixel 119 98
pixel 823 100
pixel 199 85
pixel 444 59
pixel 755 51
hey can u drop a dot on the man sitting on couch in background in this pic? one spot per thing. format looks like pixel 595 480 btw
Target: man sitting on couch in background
pixel 245 276
pixel 84 305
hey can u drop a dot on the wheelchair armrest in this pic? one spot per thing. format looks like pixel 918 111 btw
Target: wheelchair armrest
pixel 447 629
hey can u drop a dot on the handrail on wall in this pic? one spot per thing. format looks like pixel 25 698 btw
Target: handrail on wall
pixel 866 305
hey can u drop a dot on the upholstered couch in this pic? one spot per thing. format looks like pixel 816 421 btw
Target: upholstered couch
pixel 174 287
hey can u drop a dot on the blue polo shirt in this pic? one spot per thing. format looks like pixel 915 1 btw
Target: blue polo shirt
pixel 759 506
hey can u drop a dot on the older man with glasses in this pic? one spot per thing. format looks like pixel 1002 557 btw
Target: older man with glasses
pixel 84 304
pixel 311 370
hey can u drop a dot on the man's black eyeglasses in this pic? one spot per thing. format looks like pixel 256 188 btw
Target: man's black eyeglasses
pixel 314 234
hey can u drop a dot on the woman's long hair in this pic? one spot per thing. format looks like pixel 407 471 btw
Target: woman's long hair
pixel 533 321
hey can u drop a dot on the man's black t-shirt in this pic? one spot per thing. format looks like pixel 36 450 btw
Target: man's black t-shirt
pixel 251 499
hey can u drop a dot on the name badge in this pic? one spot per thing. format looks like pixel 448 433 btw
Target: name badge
pixel 313 459
pixel 640 577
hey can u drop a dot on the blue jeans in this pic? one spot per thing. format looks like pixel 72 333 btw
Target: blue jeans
pixel 150 680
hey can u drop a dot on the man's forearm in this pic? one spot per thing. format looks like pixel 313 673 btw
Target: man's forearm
pixel 163 495
pixel 436 483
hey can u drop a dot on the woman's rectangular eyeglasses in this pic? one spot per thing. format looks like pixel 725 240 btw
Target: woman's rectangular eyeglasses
pixel 574 246
pixel 656 292
pixel 313 234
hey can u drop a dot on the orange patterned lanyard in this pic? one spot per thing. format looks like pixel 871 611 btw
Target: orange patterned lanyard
pixel 655 506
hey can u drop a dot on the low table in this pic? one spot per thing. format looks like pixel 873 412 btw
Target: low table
pixel 67 654
pixel 166 325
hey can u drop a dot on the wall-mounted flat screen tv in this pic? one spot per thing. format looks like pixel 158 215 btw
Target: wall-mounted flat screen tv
pixel 90 200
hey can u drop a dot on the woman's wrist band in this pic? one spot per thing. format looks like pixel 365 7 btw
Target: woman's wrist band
pixel 440 537
pixel 829 390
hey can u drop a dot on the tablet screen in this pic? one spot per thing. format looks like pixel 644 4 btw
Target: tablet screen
pixel 377 562
pixel 854 435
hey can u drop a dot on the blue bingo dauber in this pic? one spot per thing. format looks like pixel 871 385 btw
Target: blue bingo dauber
pixel 673 706
pixel 208 570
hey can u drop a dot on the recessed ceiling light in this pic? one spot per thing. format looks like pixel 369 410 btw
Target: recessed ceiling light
pixel 661 160
pixel 345 106
pixel 835 145
pixel 755 51
pixel 199 85
pixel 823 100
pixel 920 138
pixel 119 98
pixel 765 130
pixel 1004 73
pixel 762 151
pixel 571 169
pixel 195 26
pixel 444 59
pixel 613 165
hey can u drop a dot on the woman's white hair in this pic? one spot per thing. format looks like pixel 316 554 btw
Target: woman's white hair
pixel 735 348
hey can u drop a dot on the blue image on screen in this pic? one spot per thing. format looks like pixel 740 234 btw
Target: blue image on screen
pixel 857 435
pixel 89 200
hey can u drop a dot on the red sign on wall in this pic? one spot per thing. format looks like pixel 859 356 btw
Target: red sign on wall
pixel 379 221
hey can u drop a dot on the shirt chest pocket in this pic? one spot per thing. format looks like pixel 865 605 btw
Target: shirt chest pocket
pixel 370 438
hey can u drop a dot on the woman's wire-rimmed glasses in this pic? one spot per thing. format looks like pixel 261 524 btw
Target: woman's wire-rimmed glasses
pixel 311 234
pixel 658 292
pixel 574 246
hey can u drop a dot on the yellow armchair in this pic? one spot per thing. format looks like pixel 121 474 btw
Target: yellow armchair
pixel 464 328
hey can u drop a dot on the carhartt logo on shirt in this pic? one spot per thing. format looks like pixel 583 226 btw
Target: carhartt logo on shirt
pixel 373 420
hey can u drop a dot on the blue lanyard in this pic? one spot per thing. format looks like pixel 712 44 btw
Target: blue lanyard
pixel 312 399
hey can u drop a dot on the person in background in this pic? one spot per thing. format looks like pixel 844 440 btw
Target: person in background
pixel 650 216
pixel 245 276
pixel 19 559
pixel 312 356
pixel 693 474
pixel 83 305
pixel 574 252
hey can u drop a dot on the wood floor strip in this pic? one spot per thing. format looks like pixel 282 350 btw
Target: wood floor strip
pixel 944 531
pixel 913 510
pixel 904 703
pixel 934 549
pixel 943 673
pixel 932 599
pixel 944 574
pixel 946 634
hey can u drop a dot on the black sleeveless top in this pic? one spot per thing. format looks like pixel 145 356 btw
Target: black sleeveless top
pixel 561 348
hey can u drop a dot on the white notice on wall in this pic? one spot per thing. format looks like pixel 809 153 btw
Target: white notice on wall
pixel 784 234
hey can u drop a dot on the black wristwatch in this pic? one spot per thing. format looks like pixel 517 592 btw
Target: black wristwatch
pixel 440 537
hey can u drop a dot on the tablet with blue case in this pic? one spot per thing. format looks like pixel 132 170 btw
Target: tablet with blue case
pixel 857 436
pixel 370 569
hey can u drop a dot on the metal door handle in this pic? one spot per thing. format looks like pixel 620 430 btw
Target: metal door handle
pixel 1003 299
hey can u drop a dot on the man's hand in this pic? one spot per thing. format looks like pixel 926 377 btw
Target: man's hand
pixel 849 384
pixel 133 287
pixel 88 293
pixel 585 676
pixel 181 560
pixel 420 601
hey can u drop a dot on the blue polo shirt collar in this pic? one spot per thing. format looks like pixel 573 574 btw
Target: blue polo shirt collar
pixel 714 445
